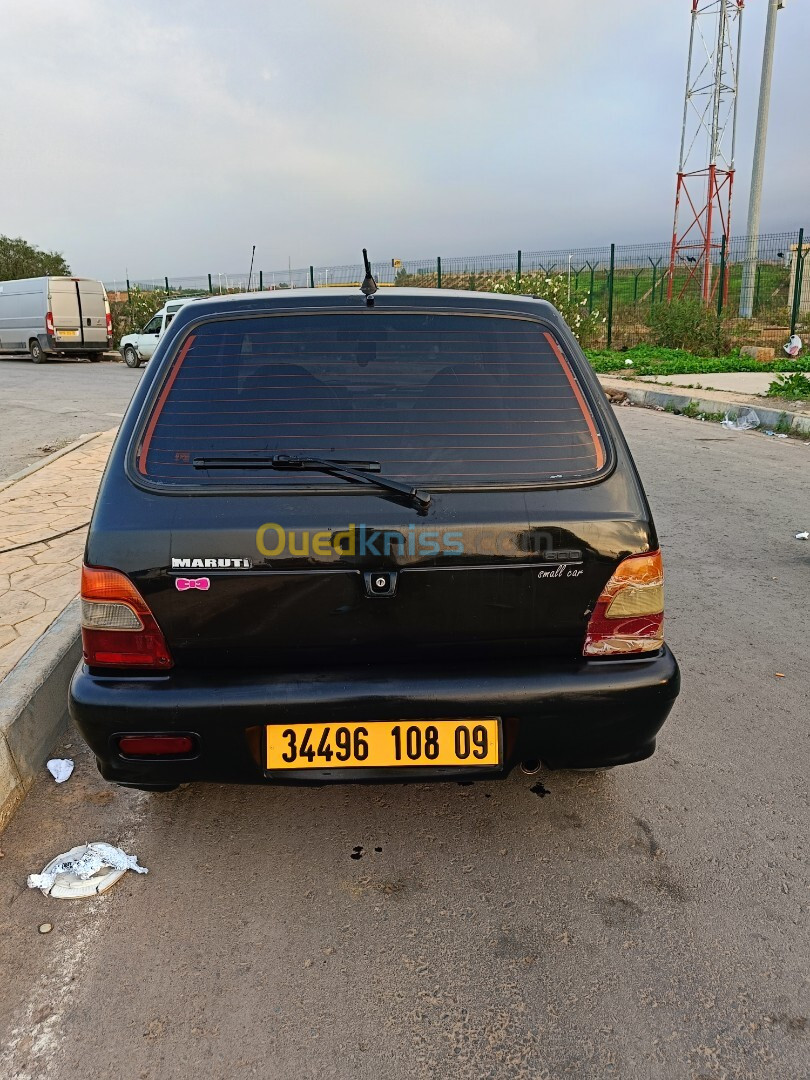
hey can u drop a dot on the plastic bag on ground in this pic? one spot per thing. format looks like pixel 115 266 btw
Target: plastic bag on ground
pixel 86 870
pixel 745 421
pixel 60 769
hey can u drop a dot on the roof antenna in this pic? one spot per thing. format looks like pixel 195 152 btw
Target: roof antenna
pixel 369 286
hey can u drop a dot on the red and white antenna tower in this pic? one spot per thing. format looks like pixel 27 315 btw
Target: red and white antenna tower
pixel 706 164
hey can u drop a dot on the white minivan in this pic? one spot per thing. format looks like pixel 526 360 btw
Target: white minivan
pixel 55 316
pixel 136 348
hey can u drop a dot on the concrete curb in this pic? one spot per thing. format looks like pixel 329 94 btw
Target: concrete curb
pixel 34 712
pixel 37 465
pixel 791 423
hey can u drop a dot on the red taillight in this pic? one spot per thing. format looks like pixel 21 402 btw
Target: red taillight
pixel 156 745
pixel 109 325
pixel 629 615
pixel 49 322
pixel 118 629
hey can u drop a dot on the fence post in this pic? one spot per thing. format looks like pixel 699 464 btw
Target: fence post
pixel 797 284
pixel 438 271
pixel 654 266
pixel 312 277
pixel 167 284
pixel 519 264
pixel 210 286
pixel 590 289
pixel 610 295
pixel 721 284
pixel 128 290
pixel 261 281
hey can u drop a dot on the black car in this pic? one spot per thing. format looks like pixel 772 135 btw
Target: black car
pixel 345 536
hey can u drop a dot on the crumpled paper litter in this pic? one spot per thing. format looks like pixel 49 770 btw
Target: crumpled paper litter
pixel 78 872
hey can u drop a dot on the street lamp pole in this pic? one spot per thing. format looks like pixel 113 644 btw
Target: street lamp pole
pixel 758 167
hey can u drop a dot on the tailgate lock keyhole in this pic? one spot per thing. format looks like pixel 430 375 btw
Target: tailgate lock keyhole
pixel 380 583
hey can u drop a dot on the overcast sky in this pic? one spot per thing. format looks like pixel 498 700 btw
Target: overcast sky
pixel 168 138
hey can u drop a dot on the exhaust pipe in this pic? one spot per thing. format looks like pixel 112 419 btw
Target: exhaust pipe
pixel 531 767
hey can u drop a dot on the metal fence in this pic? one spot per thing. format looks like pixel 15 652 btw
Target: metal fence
pixel 618 295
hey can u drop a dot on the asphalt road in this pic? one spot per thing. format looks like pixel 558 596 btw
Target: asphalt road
pixel 47 406
pixel 646 923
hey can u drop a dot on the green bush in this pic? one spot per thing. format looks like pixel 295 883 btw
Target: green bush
pixel 795 386
pixel 131 316
pixel 554 288
pixel 691 325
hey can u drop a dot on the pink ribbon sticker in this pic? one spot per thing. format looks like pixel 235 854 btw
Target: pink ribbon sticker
pixel 183 583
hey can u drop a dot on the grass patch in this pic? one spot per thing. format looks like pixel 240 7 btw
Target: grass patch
pixel 693 410
pixel 655 360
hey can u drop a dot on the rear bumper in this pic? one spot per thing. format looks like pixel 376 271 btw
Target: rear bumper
pixel 73 348
pixel 590 714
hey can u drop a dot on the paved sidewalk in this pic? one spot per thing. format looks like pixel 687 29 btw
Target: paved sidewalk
pixel 750 383
pixel 44 517
pixel 735 382
pixel 771 411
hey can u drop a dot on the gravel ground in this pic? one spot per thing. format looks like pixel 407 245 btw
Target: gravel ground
pixel 646 923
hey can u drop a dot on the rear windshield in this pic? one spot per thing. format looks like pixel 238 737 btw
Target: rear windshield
pixel 448 400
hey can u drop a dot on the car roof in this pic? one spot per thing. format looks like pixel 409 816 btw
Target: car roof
pixel 346 299
pixel 178 301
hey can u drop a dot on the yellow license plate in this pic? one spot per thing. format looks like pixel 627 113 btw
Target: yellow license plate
pixel 389 744
pixel 67 333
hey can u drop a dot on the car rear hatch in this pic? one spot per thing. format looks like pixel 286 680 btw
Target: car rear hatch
pixel 80 309
pixel 63 300
pixel 248 565
pixel 94 312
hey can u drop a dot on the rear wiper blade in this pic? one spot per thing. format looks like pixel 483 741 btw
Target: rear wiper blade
pixel 279 461
pixel 348 470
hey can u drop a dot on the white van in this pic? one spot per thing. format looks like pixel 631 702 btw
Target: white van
pixel 136 348
pixel 55 316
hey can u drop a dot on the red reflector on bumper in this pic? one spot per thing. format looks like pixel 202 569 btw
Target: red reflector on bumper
pixel 156 745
